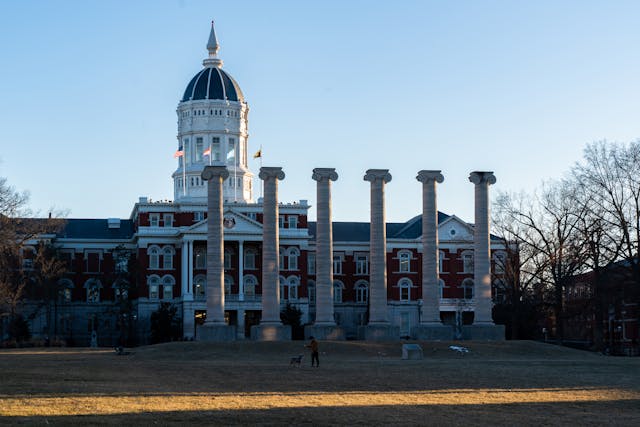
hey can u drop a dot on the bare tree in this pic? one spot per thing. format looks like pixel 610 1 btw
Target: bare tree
pixel 19 230
pixel 547 223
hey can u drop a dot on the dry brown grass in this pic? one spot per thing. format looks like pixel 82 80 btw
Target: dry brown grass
pixel 512 383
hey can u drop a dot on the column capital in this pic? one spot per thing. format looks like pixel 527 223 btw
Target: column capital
pixel 373 175
pixel 210 172
pixel 324 174
pixel 480 177
pixel 425 176
pixel 271 173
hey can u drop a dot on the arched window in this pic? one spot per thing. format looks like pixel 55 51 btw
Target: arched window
pixel 154 257
pixel 362 292
pixel 404 259
pixel 199 286
pixel 405 289
pixel 250 283
pixel 93 287
pixel 311 290
pixel 292 258
pixel 121 290
pixel 292 285
pixel 154 286
pixel 338 287
pixel 200 255
pixel 167 257
pixel 228 283
pixel 65 286
pixel 250 256
pixel 282 284
pixel 467 289
pixel 167 287
pixel 467 262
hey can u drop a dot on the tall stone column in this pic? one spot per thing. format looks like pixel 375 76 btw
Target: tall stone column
pixel 215 328
pixel 324 326
pixel 483 326
pixel 378 327
pixel 430 326
pixel 270 327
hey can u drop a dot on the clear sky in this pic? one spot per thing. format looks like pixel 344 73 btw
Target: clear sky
pixel 88 92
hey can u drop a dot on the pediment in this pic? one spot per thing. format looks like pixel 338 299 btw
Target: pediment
pixel 453 228
pixel 233 223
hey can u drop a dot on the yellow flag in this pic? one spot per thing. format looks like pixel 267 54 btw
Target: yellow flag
pixel 258 154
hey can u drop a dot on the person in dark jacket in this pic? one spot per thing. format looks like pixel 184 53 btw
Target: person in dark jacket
pixel 313 345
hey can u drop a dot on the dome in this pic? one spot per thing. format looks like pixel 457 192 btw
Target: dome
pixel 213 83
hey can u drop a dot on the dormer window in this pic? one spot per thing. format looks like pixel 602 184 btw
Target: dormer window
pixel 292 221
pixel 154 220
pixel 167 220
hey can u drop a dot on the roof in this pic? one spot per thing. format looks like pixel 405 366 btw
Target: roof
pixel 96 229
pixel 359 231
pixel 212 83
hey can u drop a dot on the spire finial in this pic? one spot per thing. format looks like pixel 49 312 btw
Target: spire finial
pixel 213 47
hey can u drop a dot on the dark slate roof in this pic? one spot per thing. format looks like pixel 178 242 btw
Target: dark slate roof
pixel 359 231
pixel 213 83
pixel 96 229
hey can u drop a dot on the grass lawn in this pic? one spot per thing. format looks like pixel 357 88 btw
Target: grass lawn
pixel 358 383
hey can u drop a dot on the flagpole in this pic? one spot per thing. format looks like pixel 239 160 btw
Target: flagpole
pixel 184 171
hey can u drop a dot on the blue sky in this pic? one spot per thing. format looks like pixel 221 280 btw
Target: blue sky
pixel 89 92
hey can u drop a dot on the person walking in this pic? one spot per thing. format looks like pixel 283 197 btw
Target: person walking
pixel 313 345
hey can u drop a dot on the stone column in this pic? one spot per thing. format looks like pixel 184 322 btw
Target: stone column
pixel 483 326
pixel 215 328
pixel 324 326
pixel 430 326
pixel 270 327
pixel 430 254
pixel 378 327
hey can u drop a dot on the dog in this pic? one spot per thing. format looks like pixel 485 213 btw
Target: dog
pixel 296 360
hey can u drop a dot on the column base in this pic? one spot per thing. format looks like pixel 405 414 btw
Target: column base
pixel 432 332
pixel 273 332
pixel 379 332
pixel 325 332
pixel 215 333
pixel 188 321
pixel 483 332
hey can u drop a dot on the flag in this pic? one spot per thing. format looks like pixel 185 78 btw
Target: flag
pixel 258 154
pixel 179 153
pixel 207 152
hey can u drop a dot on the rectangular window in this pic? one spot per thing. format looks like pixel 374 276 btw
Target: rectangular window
pixel 201 259
pixel 231 152
pixel 187 150
pixel 252 215
pixel 405 262
pixel 292 221
pixel 215 149
pixel 337 264
pixel 154 220
pixel 362 264
pixel 281 221
pixel 92 262
pixel 227 260
pixel 167 220
pixel 199 149
pixel 198 216
pixel 250 260
pixel 404 293
pixel 467 260
pixel 311 263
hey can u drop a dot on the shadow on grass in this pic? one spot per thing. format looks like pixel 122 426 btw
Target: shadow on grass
pixel 582 413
